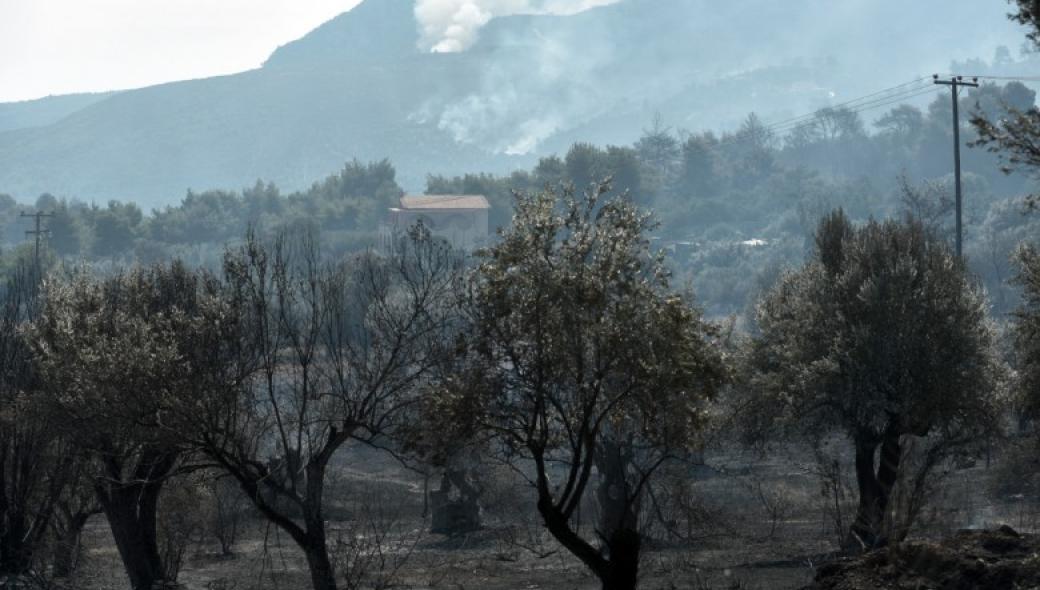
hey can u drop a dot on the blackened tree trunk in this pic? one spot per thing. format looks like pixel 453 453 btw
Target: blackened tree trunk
pixel 131 512
pixel 617 571
pixel 875 488
pixel 622 572
pixel 15 554
pixel 456 504
pixel 311 536
pixel 618 508
pixel 68 549
pixel 619 516
pixel 30 487
pixel 323 576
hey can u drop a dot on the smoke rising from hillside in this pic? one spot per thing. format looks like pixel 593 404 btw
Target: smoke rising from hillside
pixel 601 76
pixel 453 25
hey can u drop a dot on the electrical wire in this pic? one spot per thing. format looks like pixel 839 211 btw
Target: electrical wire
pixel 1010 78
pixel 850 103
pixel 881 98
pixel 877 103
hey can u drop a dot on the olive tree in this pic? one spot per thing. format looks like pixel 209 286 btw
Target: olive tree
pixel 580 364
pixel 112 350
pixel 881 335
pixel 1026 330
pixel 33 472
pixel 1016 135
pixel 323 353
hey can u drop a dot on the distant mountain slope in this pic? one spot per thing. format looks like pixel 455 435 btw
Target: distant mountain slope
pixel 286 126
pixel 374 31
pixel 358 87
pixel 45 111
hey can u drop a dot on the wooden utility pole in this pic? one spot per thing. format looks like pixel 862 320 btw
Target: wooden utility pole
pixel 954 83
pixel 39 232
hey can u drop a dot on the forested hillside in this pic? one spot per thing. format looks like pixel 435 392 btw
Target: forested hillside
pixel 360 87
pixel 734 207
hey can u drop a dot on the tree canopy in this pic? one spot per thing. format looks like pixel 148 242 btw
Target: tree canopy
pixel 578 355
pixel 881 334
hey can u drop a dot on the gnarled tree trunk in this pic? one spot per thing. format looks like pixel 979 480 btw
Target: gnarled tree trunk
pixel 323 576
pixel 455 504
pixel 875 489
pixel 618 509
pixel 131 511
pixel 622 572
pixel 68 548
pixel 15 554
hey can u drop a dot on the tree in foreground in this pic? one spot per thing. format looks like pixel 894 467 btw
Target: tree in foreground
pixel 324 353
pixel 1016 135
pixel 112 351
pixel 579 358
pixel 881 335
pixel 33 472
pixel 1026 331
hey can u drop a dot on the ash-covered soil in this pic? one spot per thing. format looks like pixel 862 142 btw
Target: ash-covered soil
pixel 996 559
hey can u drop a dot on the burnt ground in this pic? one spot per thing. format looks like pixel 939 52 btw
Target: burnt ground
pixel 753 523
pixel 998 559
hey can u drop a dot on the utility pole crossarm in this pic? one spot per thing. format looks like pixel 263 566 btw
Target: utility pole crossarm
pixel 38 232
pixel 954 83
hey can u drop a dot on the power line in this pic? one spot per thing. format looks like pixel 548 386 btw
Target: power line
pixel 881 98
pixel 848 103
pixel 878 103
pixel 1010 78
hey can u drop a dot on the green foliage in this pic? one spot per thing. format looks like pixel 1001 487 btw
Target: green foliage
pixel 1014 133
pixel 498 190
pixel 659 154
pixel 882 329
pixel 115 349
pixel 574 294
pixel 586 165
pixel 881 336
pixel 115 352
pixel 356 198
pixel 576 344
pixel 116 228
pixel 1026 331
pixel 1028 14
pixel 68 236
pixel 711 192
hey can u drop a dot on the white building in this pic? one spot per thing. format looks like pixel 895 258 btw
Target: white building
pixel 462 220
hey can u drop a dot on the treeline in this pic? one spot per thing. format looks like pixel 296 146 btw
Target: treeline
pixel 735 207
pixel 564 351
pixel 350 204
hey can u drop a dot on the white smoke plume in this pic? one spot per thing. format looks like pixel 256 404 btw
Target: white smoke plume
pixel 453 25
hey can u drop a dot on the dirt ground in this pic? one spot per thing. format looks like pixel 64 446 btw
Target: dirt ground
pixel 752 524
pixel 482 560
pixel 999 559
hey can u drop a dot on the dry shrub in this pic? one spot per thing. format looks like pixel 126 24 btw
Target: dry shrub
pixel 371 550
pixel 185 511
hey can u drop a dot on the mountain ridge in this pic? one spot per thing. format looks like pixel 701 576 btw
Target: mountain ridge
pixel 359 87
pixel 374 30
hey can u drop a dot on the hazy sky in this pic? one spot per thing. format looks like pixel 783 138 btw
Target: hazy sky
pixel 62 46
